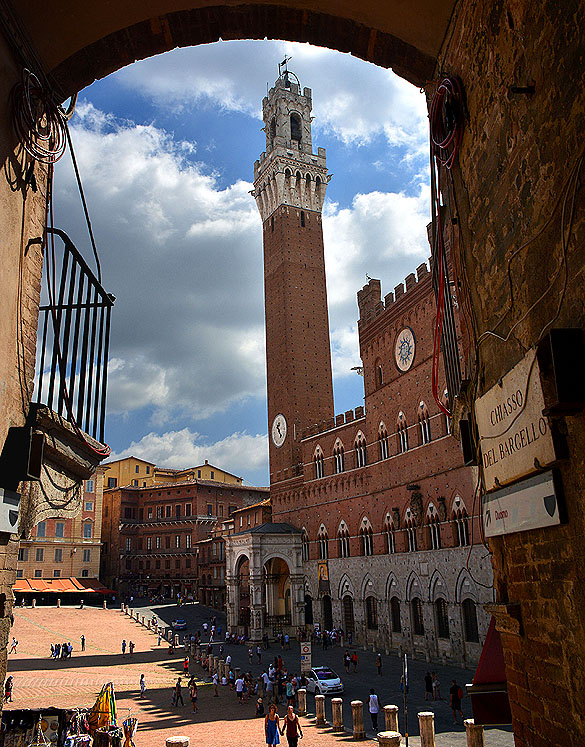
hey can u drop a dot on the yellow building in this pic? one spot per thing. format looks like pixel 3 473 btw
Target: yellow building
pixel 139 473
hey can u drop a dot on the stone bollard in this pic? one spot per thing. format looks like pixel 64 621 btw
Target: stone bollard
pixel 320 709
pixel 337 709
pixel 177 742
pixel 149 623
pixel 176 640
pixel 121 605
pixel 389 738
pixel 58 603
pixel 474 733
pixel 302 696
pixel 426 724
pixel 357 712
pixel 391 717
pixel 105 605
pixel 34 602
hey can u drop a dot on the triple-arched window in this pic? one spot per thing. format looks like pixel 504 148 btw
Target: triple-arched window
pixel 461 524
pixel 360 450
pixel 434 525
pixel 366 537
pixel 343 540
pixel 424 423
pixel 319 462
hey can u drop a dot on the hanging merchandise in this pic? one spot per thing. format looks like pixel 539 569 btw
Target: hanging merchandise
pixel 130 725
pixel 103 715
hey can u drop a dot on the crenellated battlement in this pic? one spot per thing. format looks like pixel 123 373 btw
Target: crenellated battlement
pixel 370 301
pixel 344 418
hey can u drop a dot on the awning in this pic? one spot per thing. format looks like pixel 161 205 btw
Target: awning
pixel 489 690
pixel 60 586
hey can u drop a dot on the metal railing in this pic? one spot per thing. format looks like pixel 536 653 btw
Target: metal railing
pixel 74 334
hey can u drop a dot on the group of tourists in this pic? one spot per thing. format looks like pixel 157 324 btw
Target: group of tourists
pixel 61 650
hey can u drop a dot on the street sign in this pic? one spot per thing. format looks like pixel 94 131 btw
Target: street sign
pixel 529 504
pixel 305 656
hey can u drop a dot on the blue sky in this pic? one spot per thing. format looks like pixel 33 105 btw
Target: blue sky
pixel 166 149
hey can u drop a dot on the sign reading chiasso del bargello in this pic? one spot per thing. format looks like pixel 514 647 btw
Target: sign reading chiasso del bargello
pixel 515 436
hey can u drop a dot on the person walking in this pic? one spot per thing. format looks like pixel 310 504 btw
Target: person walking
pixel 142 685
pixel 131 646
pixel 292 725
pixel 8 685
pixel 271 726
pixel 178 695
pixel 428 685
pixel 123 647
pixel 193 695
pixel 346 661
pixel 82 639
pixel 259 654
pixel 374 708
pixel 13 646
pixel 436 687
pixel 379 664
pixel 186 666
pixel 354 660
pixel 239 685
pixel 215 680
pixel 455 696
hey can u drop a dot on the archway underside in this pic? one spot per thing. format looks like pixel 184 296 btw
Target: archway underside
pixel 93 54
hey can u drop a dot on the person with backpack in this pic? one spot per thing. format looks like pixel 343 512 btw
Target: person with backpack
pixel 455 697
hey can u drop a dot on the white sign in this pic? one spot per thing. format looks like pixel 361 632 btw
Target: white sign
pixel 514 435
pixel 306 656
pixel 530 504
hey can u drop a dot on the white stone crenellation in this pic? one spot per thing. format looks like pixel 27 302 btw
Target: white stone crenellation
pixel 288 172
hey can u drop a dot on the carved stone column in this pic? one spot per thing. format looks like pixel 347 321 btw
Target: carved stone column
pixel 320 709
pixel 391 717
pixel 337 709
pixel 357 712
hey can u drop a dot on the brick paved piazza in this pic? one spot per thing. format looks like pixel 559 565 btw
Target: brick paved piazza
pixel 40 681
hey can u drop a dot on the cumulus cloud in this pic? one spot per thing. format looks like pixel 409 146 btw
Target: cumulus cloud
pixel 382 235
pixel 182 257
pixel 238 453
pixel 353 100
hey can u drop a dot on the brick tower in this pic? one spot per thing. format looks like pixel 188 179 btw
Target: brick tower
pixel 289 187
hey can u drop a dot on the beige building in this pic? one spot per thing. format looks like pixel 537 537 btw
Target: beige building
pixel 67 545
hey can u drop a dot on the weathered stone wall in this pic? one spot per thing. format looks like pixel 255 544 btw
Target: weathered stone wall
pixel 21 218
pixel 520 231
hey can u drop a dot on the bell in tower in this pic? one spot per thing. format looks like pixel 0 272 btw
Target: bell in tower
pixel 289 187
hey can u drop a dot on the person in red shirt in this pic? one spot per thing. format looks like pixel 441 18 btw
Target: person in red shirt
pixel 293 727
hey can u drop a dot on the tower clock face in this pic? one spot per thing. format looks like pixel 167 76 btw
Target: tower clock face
pixel 404 349
pixel 278 430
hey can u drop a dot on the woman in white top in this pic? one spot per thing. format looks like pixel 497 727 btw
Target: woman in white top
pixel 374 708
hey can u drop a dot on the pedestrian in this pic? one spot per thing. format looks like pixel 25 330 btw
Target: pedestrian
pixel 123 647
pixel 159 636
pixel 428 685
pixel 13 646
pixel 455 696
pixel 52 651
pixel 142 685
pixel 8 685
pixel 57 650
pixel 259 707
pixel 240 690
pixel 178 695
pixel 250 654
pixel 290 693
pixel 131 646
pixel 346 661
pixel 271 726
pixel 215 679
pixel 354 660
pixel 374 708
pixel 293 727
pixel 259 654
pixel 350 637
pixel 82 642
pixel 193 694
pixel 186 665
pixel 379 664
pixel 286 640
pixel 436 687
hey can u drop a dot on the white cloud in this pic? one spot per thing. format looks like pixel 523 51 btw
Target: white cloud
pixel 238 453
pixel 382 235
pixel 354 101
pixel 182 257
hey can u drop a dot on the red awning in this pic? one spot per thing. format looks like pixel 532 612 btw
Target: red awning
pixel 489 691
pixel 60 586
